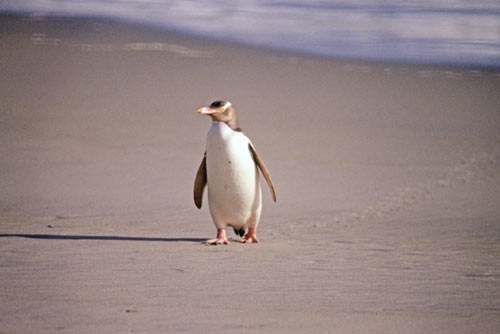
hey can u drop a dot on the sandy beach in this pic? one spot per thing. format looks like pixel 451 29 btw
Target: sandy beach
pixel 387 178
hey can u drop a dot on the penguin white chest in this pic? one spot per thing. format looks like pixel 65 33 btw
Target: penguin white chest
pixel 234 194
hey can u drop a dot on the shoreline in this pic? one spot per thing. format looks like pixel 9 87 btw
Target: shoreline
pixel 197 38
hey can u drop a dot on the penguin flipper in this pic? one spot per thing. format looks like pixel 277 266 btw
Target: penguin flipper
pixel 263 169
pixel 200 182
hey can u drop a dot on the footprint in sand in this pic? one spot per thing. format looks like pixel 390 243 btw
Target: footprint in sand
pixel 481 165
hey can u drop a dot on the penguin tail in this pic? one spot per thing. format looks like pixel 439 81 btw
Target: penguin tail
pixel 240 232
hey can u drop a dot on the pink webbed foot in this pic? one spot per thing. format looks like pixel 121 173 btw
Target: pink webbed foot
pixel 221 238
pixel 250 237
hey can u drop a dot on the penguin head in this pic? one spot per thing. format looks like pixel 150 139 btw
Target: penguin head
pixel 221 111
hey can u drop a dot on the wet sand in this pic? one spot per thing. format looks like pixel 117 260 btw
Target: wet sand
pixel 387 178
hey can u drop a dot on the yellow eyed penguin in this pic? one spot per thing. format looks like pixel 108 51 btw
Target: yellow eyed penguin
pixel 229 168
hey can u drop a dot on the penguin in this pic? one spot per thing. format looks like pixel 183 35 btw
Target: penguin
pixel 229 169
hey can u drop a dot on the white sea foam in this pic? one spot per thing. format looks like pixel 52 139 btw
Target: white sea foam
pixel 437 31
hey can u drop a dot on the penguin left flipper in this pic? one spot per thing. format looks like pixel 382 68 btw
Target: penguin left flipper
pixel 258 161
pixel 200 182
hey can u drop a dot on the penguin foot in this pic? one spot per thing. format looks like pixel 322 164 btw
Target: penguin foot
pixel 221 238
pixel 250 237
pixel 217 241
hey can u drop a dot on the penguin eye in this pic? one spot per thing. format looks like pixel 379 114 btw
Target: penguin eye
pixel 217 104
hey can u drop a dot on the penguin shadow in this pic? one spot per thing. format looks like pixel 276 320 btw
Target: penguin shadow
pixel 97 237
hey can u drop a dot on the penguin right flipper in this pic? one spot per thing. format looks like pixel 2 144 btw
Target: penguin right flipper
pixel 259 163
pixel 200 182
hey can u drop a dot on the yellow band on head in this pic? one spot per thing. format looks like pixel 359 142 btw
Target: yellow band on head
pixel 227 105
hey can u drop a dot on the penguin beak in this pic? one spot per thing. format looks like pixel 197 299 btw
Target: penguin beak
pixel 207 111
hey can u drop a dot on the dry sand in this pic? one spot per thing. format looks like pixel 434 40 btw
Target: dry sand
pixel 387 176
